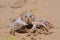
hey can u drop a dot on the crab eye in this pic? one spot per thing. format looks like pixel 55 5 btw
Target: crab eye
pixel 25 16
pixel 30 16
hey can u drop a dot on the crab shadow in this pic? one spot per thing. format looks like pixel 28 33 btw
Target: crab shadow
pixel 23 30
pixel 29 26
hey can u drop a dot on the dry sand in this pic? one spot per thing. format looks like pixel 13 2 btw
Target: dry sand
pixel 49 9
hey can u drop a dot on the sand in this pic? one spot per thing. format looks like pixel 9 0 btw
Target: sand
pixel 40 8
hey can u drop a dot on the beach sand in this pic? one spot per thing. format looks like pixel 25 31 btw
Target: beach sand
pixel 49 9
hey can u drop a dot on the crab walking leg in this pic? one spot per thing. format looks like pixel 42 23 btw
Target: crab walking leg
pixel 13 27
pixel 43 25
pixel 17 24
pixel 33 28
pixel 35 25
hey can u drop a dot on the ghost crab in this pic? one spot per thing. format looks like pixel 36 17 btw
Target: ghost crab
pixel 27 19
